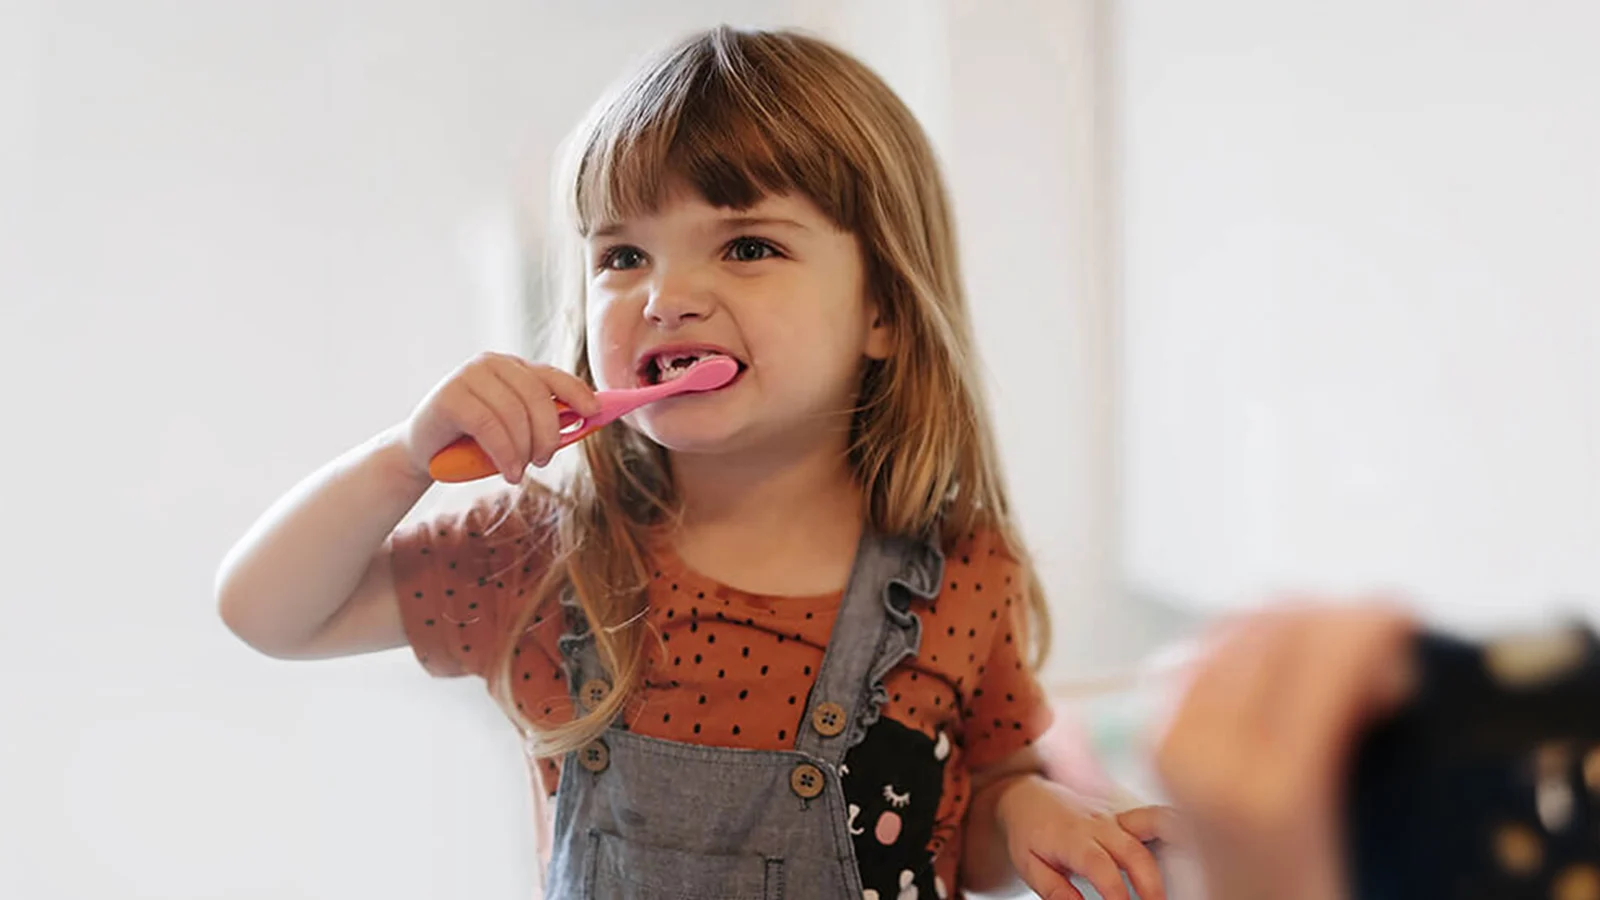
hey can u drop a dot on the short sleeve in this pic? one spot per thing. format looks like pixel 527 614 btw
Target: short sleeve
pixel 462 578
pixel 1008 709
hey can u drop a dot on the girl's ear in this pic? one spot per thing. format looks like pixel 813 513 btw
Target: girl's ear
pixel 880 335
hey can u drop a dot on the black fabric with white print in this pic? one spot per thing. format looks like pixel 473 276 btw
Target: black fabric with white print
pixel 892 785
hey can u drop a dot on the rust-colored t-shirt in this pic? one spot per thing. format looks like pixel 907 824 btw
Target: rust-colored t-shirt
pixel 733 669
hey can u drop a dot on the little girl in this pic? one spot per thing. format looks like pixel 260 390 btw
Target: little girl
pixel 768 640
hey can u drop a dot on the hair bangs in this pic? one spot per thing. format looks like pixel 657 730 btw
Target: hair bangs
pixel 728 121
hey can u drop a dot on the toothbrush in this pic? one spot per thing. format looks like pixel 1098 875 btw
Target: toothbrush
pixel 464 460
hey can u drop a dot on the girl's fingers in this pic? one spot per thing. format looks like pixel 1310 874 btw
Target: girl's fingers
pixel 1152 823
pixel 535 407
pixel 504 403
pixel 1135 859
pixel 568 388
pixel 1045 881
pixel 543 383
pixel 498 423
pixel 1095 863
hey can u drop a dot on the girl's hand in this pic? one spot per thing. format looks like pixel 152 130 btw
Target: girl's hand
pixel 1256 751
pixel 505 403
pixel 1049 835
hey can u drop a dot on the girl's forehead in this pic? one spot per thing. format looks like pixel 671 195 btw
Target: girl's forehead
pixel 685 207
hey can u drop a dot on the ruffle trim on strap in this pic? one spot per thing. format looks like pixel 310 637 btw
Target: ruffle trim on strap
pixel 902 632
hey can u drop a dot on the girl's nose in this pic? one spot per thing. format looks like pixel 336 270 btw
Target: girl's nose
pixel 676 300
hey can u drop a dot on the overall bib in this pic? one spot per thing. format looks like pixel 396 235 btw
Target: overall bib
pixel 648 819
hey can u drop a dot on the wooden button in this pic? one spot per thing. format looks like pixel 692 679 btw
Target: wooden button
pixel 806 781
pixel 594 692
pixel 828 719
pixel 595 756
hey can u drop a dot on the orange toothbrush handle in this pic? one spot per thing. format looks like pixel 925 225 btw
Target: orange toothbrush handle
pixel 464 460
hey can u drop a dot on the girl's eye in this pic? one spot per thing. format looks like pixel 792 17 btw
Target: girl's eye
pixel 622 258
pixel 747 249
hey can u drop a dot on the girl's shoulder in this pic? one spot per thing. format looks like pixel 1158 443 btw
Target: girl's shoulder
pixel 983 579
pixel 526 514
pixel 982 546
pixel 463 577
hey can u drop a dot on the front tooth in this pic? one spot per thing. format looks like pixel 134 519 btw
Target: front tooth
pixel 675 365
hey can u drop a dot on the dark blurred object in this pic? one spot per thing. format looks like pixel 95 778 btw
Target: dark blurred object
pixel 1487 785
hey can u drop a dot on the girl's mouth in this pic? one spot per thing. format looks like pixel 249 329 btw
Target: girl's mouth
pixel 659 368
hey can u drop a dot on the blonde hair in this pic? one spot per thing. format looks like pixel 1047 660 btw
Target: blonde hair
pixel 738 115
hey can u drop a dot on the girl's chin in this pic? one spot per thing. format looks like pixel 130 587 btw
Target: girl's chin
pixel 696 441
pixel 688 431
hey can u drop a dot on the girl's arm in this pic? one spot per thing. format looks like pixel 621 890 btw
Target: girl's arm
pixel 985 861
pixel 1022 825
pixel 311 578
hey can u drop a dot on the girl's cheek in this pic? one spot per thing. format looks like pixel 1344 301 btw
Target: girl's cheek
pixel 609 353
pixel 606 361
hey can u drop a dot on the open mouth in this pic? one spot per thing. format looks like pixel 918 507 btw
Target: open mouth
pixel 659 368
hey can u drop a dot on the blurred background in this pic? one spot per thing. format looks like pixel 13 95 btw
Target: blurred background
pixel 1271 295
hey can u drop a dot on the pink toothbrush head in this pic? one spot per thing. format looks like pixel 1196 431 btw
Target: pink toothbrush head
pixel 706 375
pixel 464 460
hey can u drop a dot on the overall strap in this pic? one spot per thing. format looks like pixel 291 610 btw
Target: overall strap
pixel 873 631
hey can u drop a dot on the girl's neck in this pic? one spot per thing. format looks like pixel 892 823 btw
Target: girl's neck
pixel 784 524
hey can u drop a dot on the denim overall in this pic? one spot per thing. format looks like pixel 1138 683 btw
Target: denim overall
pixel 648 819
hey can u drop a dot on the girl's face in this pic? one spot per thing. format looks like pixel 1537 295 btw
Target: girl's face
pixel 776 287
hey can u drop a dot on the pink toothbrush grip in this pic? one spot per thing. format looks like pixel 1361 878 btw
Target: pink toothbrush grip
pixel 574 427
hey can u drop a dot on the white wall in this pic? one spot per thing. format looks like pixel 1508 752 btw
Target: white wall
pixel 1362 314
pixel 236 239
pixel 1025 158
